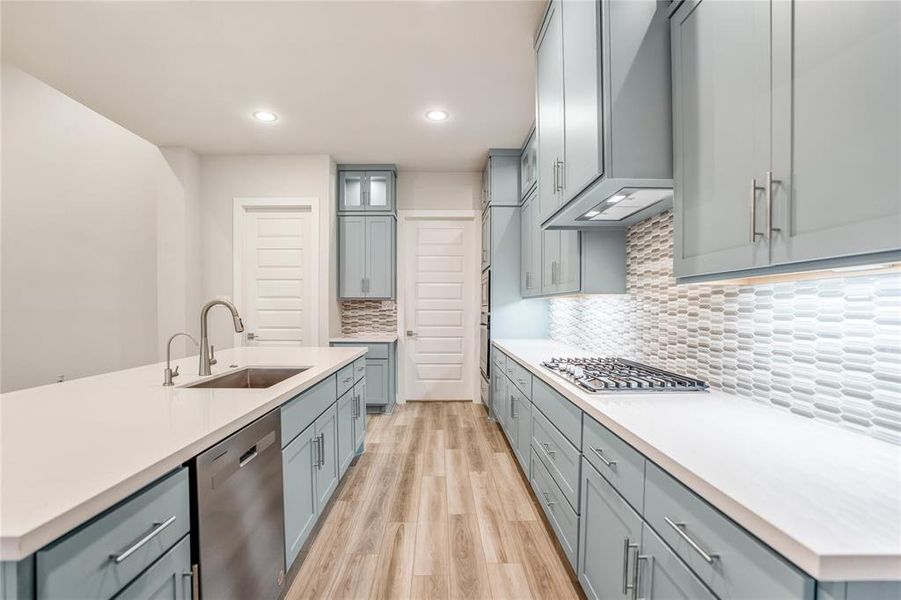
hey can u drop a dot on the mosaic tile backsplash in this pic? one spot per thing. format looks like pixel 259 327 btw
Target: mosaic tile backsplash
pixel 368 316
pixel 827 349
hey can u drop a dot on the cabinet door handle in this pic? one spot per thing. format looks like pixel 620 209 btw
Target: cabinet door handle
pixel 314 446
pixel 555 175
pixel 157 529
pixel 628 546
pixel 708 557
pixel 547 448
pixel 321 450
pixel 769 204
pixel 600 454
pixel 562 177
pixel 754 189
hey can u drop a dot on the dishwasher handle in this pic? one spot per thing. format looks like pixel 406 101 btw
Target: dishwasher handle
pixel 248 456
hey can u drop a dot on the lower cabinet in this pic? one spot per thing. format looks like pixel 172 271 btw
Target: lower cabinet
pixel 523 420
pixel 346 421
pixel 359 418
pixel 562 517
pixel 620 556
pixel 377 376
pixel 326 432
pixel 499 397
pixel 380 371
pixel 299 480
pixel 169 578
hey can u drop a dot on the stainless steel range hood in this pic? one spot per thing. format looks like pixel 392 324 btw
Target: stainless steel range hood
pixel 635 170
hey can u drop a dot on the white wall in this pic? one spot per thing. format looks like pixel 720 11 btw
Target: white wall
pixel 224 178
pixel 425 190
pixel 79 239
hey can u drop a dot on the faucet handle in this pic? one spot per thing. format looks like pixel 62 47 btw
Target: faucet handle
pixel 175 372
pixel 213 360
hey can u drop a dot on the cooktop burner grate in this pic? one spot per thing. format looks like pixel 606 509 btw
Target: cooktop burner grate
pixel 597 374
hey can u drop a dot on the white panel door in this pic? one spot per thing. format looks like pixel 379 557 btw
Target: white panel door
pixel 439 309
pixel 276 264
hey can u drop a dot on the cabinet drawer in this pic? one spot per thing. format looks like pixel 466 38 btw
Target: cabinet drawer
pixel 560 457
pixel 736 564
pixel 499 360
pixel 171 573
pixel 299 413
pixel 562 517
pixel 520 377
pixel 359 369
pixel 137 531
pixel 617 461
pixel 565 415
pixel 345 379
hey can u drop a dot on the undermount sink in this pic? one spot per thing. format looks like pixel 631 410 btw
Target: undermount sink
pixel 250 378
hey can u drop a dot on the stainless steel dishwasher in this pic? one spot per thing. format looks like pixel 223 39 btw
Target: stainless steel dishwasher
pixel 240 514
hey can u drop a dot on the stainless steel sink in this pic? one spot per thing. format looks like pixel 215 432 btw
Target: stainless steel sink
pixel 250 378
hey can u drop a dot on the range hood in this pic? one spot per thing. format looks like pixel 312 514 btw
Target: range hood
pixel 634 121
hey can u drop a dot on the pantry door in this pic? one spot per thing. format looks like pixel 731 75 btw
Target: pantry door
pixel 439 308
pixel 275 272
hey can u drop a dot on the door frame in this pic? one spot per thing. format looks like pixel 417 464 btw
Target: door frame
pixel 241 206
pixel 404 221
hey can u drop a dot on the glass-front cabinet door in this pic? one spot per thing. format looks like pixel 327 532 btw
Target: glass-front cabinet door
pixel 351 190
pixel 379 194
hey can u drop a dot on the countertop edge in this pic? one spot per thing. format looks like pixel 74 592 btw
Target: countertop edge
pixel 820 567
pixel 20 546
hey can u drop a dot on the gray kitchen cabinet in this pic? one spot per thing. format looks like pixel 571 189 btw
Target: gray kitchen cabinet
pixel 379 391
pixel 720 100
pixel 528 165
pixel 582 159
pixel 499 401
pixel 523 418
pixel 550 110
pixel 662 575
pixel 368 188
pixel 561 262
pixel 346 430
pixel 299 480
pixel 530 250
pixel 609 540
pixel 366 256
pixel 327 465
pixel 486 239
pixel 500 178
pixel 836 130
pixel 380 253
pixel 359 415
pixel 169 578
pixel 805 95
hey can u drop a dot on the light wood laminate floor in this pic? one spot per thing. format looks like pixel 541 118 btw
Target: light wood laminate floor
pixel 436 508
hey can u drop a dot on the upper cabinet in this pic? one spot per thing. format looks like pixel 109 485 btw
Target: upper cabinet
pixel 368 188
pixel 500 179
pixel 528 166
pixel 604 123
pixel 805 98
pixel 366 256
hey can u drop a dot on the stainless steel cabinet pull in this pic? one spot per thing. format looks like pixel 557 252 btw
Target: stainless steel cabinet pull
pixel 195 584
pixel 547 448
pixel 561 179
pixel 628 546
pixel 708 557
pixel 555 175
pixel 600 454
pixel 321 439
pixel 314 446
pixel 547 498
pixel 512 406
pixel 754 189
pixel 157 529
pixel 769 204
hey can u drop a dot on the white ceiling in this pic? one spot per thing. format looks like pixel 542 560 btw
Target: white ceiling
pixel 350 79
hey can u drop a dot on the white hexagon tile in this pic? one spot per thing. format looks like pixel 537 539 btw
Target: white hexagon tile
pixel 828 349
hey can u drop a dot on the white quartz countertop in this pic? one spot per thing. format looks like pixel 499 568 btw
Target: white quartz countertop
pixel 69 451
pixel 366 338
pixel 827 499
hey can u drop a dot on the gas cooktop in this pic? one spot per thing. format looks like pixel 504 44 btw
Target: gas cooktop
pixel 620 375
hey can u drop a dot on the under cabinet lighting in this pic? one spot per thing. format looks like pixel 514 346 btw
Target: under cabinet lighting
pixel 265 116
pixel 612 200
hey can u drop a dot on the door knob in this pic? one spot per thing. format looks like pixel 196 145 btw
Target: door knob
pixel 411 333
pixel 251 336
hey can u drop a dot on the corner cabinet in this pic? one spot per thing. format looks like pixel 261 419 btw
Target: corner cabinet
pixel 806 99
pixel 366 256
pixel 367 188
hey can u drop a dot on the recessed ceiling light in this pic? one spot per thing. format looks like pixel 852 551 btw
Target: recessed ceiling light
pixel 265 116
pixel 436 115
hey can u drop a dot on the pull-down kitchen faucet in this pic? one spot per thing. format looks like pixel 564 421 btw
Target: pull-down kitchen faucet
pixel 206 351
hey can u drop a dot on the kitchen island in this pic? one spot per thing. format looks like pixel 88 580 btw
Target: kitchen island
pixel 70 451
